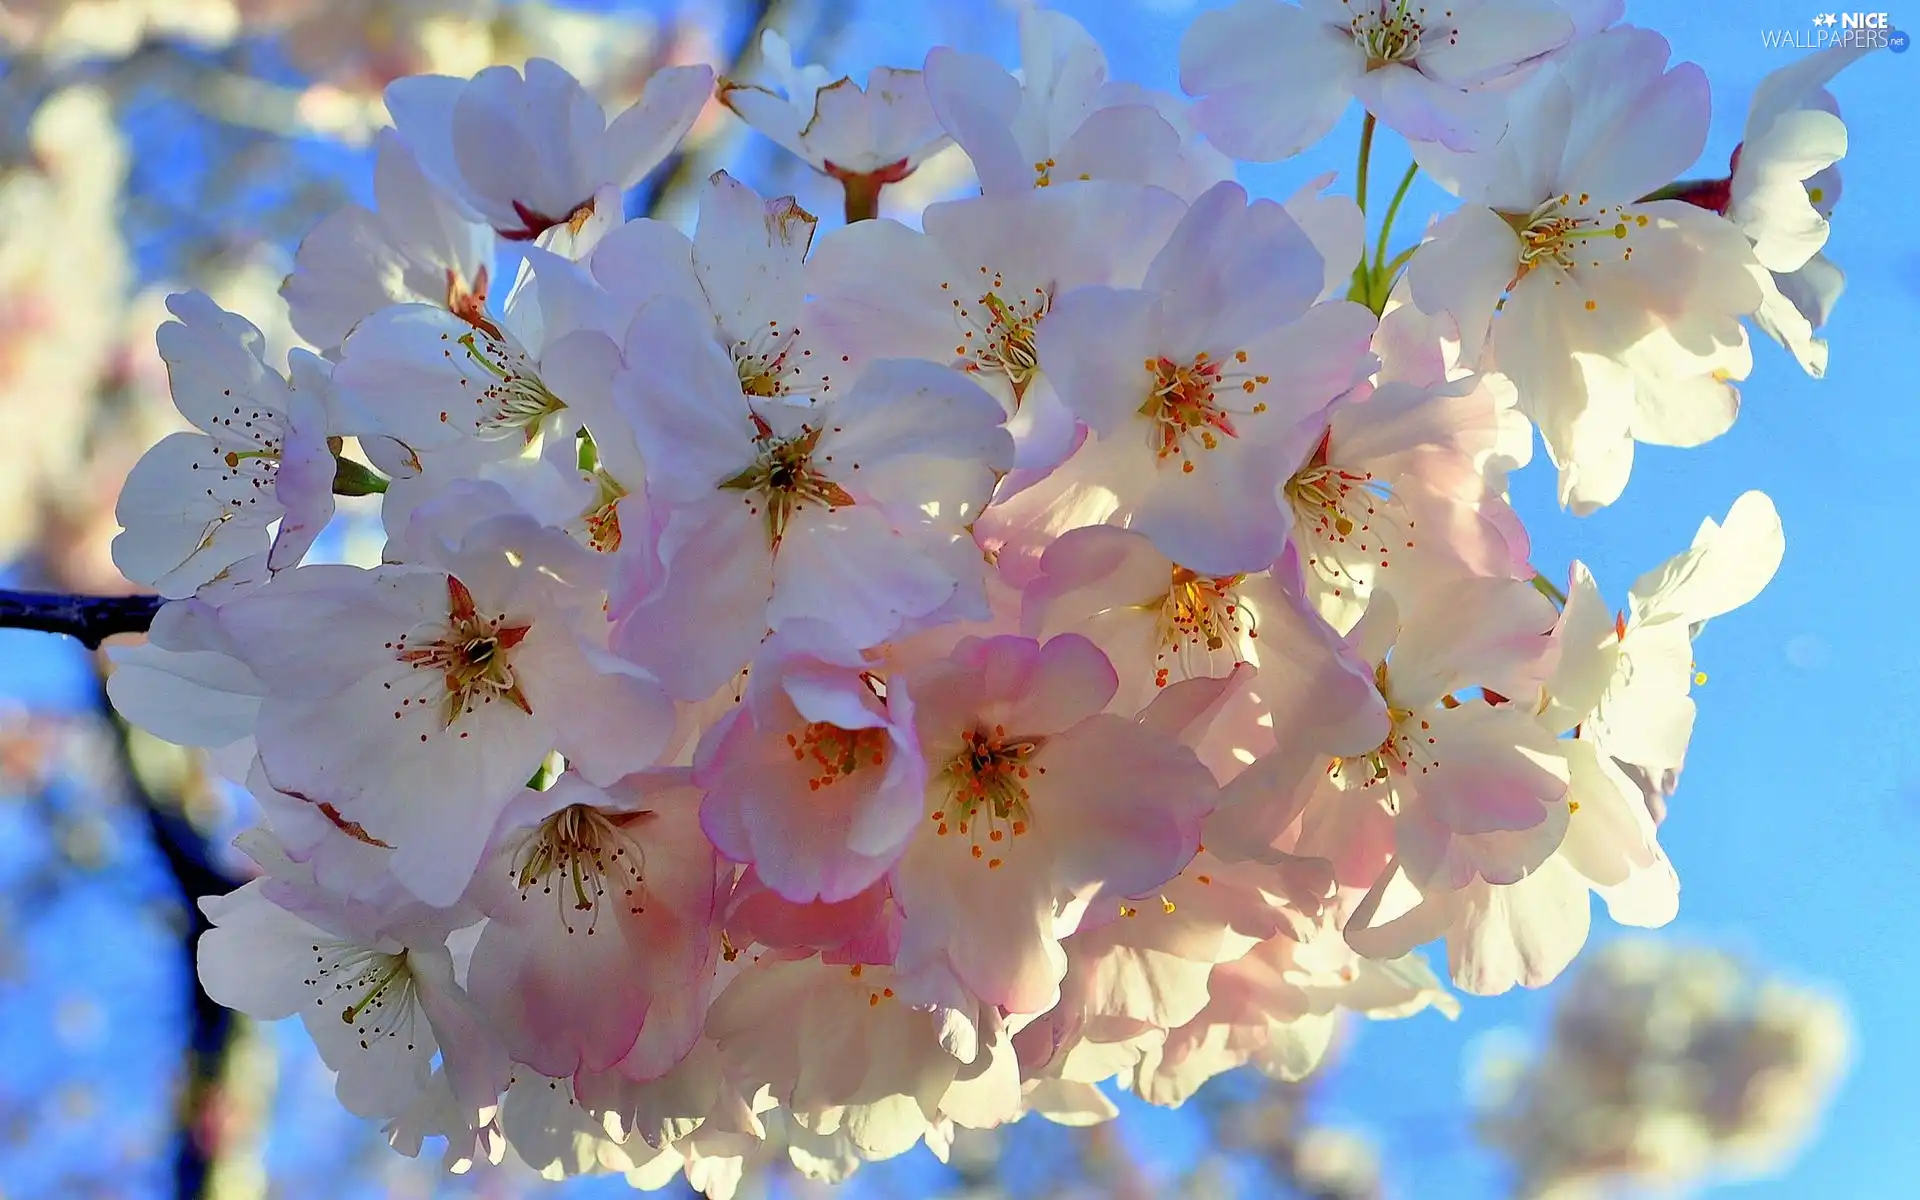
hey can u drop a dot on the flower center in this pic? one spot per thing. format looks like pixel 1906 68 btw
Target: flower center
pixel 783 479
pixel 876 992
pixel 769 364
pixel 997 334
pixel 1200 616
pixel 1389 32
pixel 378 989
pixel 1043 173
pixel 248 441
pixel 837 752
pixel 1410 748
pixel 758 377
pixel 584 858
pixel 1186 405
pixel 987 798
pixel 601 518
pixel 515 401
pixel 1552 235
pixel 471 654
pixel 1345 518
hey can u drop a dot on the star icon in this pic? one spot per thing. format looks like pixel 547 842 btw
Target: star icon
pixel 1829 20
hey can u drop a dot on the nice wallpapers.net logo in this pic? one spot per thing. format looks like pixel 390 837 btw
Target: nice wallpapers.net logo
pixel 1867 30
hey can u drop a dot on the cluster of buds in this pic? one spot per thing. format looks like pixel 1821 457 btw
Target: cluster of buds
pixel 832 691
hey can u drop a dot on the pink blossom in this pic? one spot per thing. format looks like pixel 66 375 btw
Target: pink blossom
pixel 602 907
pixel 1159 622
pixel 1143 964
pixel 186 682
pixel 1277 1008
pixel 1274 78
pixel 1059 120
pixel 1395 493
pixel 1238 360
pixel 851 512
pixel 533 152
pixel 479 671
pixel 1625 681
pixel 864 137
pixel 828 1037
pixel 743 266
pixel 1619 321
pixel 816 778
pixel 1474 787
pixel 196 507
pixel 418 245
pixel 379 1002
pixel 975 288
pixel 1525 933
pixel 816 698
pixel 1038 805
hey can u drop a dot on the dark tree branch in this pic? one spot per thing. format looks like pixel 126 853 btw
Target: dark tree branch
pixel 91 619
pixel 213 1032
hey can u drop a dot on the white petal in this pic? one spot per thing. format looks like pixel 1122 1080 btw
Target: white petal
pixel 1770 200
pixel 1462 272
pixel 1727 566
pixel 639 139
pixel 1489 39
pixel 976 101
pixel 1524 933
pixel 1272 80
pixel 748 255
pixel 1636 129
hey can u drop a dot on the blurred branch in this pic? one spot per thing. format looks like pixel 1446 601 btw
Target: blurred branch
pixel 684 168
pixel 210 1097
pixel 91 619
pixel 1107 1164
pixel 229 96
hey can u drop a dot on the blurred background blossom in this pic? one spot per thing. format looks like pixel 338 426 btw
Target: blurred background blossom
pixel 148 146
pixel 1667 1066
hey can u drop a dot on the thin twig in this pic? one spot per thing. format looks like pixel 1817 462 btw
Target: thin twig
pixel 91 619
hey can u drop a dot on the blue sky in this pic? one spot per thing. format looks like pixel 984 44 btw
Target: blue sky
pixel 1797 828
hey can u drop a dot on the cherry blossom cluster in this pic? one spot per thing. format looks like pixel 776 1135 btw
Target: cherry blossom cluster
pixel 821 689
pixel 1667 1066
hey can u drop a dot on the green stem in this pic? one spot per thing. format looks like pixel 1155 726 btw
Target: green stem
pixel 1360 290
pixel 1545 587
pixel 1374 288
pixel 1366 154
pixel 1393 211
